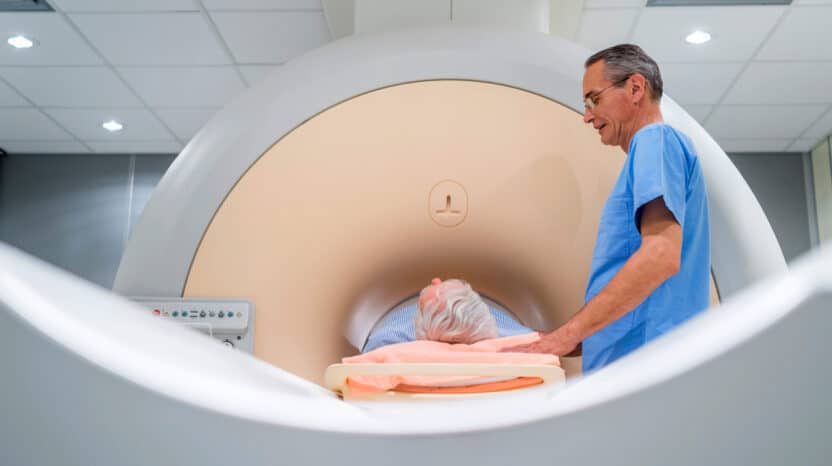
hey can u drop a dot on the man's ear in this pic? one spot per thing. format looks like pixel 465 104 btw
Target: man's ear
pixel 638 87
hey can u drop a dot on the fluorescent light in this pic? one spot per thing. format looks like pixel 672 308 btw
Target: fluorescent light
pixel 698 37
pixel 20 42
pixel 112 125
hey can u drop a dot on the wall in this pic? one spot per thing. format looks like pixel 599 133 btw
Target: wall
pixel 822 180
pixel 75 210
pixel 779 182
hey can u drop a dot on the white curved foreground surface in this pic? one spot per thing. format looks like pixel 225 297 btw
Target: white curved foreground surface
pixel 88 379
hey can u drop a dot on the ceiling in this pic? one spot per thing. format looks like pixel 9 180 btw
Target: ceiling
pixel 163 67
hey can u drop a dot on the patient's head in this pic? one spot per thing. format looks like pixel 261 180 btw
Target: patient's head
pixel 452 312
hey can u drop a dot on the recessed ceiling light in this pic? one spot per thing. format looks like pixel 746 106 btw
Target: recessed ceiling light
pixel 20 42
pixel 698 37
pixel 112 125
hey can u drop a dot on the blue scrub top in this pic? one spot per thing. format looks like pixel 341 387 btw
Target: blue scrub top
pixel 661 162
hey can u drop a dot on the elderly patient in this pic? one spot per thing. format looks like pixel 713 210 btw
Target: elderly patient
pixel 449 311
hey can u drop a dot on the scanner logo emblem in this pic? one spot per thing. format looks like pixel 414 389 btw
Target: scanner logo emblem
pixel 448 203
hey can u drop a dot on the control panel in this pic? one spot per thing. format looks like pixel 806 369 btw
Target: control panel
pixel 230 321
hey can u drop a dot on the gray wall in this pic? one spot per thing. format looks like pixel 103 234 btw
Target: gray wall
pixel 75 210
pixel 779 182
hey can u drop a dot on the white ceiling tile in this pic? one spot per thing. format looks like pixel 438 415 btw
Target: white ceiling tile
pixel 812 2
pixel 700 83
pixel 185 122
pixel 152 38
pixel 85 124
pixel 110 6
pixel 783 83
pixel 184 87
pixel 44 147
pixel 381 15
pixel 10 98
pixel 28 124
pixel 518 15
pixel 613 3
pixel 57 42
pixel 698 112
pixel 736 32
pixel 602 28
pixel 71 87
pixel 256 73
pixel 262 4
pixel 271 37
pixel 803 35
pixel 802 145
pixel 761 121
pixel 820 128
pixel 135 147
pixel 754 145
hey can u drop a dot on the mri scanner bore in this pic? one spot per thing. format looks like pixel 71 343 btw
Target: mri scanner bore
pixel 310 196
pixel 642 281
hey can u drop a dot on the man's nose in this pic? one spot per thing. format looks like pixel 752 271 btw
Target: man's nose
pixel 588 116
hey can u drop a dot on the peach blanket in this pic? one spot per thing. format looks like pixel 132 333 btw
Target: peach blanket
pixel 482 352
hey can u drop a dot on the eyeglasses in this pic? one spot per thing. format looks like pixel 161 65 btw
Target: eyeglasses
pixel 591 101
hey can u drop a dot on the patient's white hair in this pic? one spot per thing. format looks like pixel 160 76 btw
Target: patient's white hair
pixel 455 314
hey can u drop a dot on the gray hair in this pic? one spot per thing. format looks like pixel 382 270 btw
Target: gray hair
pixel 624 60
pixel 455 315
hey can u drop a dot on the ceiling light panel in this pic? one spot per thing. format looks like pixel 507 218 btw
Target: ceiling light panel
pixel 152 38
pixel 761 121
pixel 112 126
pixel 783 83
pixel 803 35
pixel 683 81
pixel 738 32
pixel 139 125
pixel 184 86
pixel 70 86
pixel 602 28
pixel 57 42
pixel 271 37
pixel 28 124
pixel 20 42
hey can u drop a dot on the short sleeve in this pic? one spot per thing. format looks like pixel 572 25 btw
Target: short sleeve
pixel 658 169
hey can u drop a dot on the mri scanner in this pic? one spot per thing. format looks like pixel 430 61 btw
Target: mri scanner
pixel 336 189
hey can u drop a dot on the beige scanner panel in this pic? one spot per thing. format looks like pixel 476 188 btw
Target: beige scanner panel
pixel 360 206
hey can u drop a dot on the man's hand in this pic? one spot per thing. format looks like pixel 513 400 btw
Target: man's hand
pixel 549 343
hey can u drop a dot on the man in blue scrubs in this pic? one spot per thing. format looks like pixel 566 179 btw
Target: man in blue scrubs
pixel 651 264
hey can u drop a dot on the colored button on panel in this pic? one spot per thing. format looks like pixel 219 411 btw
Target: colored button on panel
pixel 156 312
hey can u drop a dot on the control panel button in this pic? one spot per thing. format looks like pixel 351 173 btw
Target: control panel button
pixel 228 343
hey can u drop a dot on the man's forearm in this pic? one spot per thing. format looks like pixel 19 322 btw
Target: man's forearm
pixel 648 268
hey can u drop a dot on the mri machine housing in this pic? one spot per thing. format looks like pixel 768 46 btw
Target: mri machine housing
pixel 96 386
